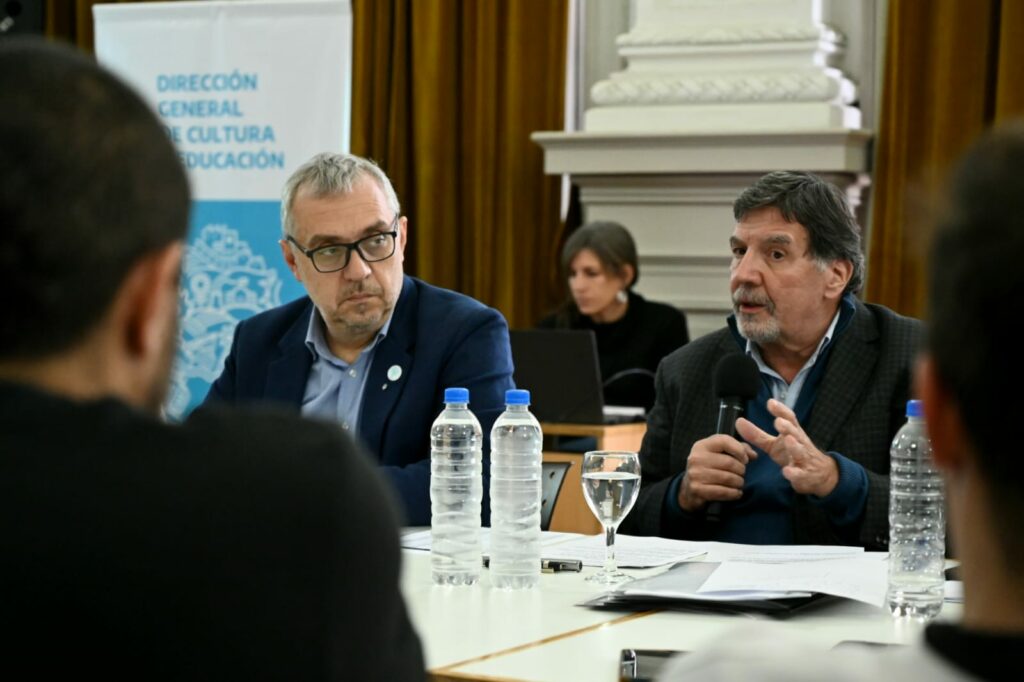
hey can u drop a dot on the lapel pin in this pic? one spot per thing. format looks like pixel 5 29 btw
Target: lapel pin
pixel 394 373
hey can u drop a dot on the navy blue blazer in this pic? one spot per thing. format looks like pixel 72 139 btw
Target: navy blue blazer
pixel 438 338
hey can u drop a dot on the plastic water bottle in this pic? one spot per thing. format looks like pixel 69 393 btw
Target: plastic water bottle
pixel 456 491
pixel 515 495
pixel 917 524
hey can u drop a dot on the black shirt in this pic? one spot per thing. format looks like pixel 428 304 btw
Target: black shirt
pixel 239 545
pixel 638 341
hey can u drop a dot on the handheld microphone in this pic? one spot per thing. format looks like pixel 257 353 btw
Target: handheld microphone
pixel 736 380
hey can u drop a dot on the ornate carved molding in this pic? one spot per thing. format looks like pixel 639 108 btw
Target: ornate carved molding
pixel 701 89
pixel 649 35
pixel 727 65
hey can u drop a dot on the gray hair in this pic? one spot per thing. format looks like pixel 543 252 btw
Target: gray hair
pixel 820 207
pixel 329 174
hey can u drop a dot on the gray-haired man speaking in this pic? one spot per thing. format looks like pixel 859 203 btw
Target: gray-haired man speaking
pixel 810 463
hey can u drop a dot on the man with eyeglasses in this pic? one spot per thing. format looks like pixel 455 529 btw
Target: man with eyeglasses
pixel 370 349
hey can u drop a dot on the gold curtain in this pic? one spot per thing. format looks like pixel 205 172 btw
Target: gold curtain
pixel 71 21
pixel 952 69
pixel 445 96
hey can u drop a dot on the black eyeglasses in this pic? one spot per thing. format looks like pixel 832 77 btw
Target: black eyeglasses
pixel 333 257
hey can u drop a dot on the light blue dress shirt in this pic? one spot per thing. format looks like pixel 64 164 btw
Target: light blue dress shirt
pixel 789 393
pixel 334 389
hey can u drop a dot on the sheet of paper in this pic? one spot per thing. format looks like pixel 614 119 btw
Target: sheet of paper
pixel 860 578
pixel 725 551
pixel 419 539
pixel 684 582
pixel 644 552
pixel 630 551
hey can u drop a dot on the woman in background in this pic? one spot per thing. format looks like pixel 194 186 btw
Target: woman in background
pixel 633 334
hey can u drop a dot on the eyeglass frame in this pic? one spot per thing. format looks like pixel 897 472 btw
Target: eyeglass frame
pixel 350 247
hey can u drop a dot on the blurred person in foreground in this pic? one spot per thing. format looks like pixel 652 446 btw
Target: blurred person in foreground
pixel 970 387
pixel 234 546
pixel 632 333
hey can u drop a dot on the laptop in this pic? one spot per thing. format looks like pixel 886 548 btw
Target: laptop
pixel 559 367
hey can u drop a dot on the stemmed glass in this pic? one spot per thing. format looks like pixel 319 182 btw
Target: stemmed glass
pixel 611 482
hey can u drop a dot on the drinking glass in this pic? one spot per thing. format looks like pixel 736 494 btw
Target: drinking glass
pixel 611 481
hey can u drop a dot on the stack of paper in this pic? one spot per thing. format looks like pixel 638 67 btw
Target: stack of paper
pixel 861 577
pixel 731 572
pixel 771 573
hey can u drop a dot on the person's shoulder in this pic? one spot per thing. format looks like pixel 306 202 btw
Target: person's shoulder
pixel 277 319
pixel 435 301
pixel 769 660
pixel 433 293
pixel 891 317
pixel 703 350
pixel 657 309
pixel 264 439
pixel 656 317
pixel 290 479
pixel 759 651
pixel 549 322
pixel 892 326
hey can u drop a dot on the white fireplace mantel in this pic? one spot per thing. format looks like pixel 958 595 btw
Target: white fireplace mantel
pixel 675 194
pixel 600 153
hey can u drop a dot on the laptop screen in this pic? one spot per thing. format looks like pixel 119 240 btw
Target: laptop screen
pixel 559 368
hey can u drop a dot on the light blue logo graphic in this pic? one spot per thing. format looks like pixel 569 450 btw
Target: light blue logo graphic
pixel 227 277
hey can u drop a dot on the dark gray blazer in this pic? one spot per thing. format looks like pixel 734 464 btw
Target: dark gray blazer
pixel 859 406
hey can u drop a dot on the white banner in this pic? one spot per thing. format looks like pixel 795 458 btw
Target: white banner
pixel 248 91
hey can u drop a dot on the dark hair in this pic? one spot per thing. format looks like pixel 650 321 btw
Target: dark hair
pixel 89 183
pixel 819 206
pixel 610 242
pixel 975 275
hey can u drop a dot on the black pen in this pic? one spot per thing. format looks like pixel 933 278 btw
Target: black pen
pixel 560 565
pixel 552 565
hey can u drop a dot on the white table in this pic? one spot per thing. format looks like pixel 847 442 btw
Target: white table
pixel 479 633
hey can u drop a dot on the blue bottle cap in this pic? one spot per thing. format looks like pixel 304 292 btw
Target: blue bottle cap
pixel 456 395
pixel 517 396
pixel 915 408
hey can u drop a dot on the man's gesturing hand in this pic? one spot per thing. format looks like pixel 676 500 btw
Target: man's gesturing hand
pixel 714 471
pixel 809 470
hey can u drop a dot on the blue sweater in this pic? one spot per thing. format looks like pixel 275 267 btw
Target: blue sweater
pixel 763 515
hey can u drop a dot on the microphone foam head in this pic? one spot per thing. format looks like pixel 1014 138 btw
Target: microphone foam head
pixel 736 375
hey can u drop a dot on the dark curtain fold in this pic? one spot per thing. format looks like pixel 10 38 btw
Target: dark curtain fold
pixel 445 96
pixel 952 69
pixel 71 20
